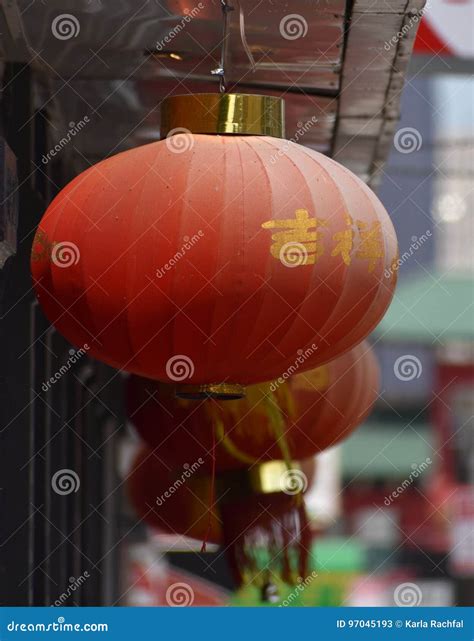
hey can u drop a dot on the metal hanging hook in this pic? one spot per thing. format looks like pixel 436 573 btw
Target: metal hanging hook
pixel 220 71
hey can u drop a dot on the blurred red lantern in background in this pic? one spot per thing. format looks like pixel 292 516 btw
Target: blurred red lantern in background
pixel 176 500
pixel 248 521
pixel 207 260
pixel 313 410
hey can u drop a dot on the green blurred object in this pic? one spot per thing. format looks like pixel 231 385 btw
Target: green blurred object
pixel 431 308
pixel 338 554
pixel 387 450
pixel 333 565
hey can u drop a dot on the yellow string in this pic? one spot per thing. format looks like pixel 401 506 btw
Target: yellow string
pixel 231 448
pixel 278 426
pixel 271 401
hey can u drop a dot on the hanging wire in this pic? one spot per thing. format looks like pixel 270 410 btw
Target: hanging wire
pixel 220 71
pixel 243 37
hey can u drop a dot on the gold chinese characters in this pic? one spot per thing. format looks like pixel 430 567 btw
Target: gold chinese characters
pixel 301 242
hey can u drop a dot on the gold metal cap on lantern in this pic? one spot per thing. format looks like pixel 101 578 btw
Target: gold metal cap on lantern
pixel 223 113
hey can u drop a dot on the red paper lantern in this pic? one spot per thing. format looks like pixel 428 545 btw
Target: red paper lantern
pixel 314 410
pixel 209 259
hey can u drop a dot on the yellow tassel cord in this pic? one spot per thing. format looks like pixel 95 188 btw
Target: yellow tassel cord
pixel 231 448
pixel 278 427
pixel 273 405
pixel 270 410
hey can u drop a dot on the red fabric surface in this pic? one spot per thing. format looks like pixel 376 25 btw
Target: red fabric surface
pixel 231 308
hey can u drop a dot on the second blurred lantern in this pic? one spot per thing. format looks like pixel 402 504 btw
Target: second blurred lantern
pixel 294 419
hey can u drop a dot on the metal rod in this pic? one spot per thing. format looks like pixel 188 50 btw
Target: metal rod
pixel 220 71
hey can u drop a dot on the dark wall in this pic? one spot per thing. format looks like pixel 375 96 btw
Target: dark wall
pixel 59 496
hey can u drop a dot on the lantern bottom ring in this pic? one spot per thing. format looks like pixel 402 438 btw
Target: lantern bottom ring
pixel 221 391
